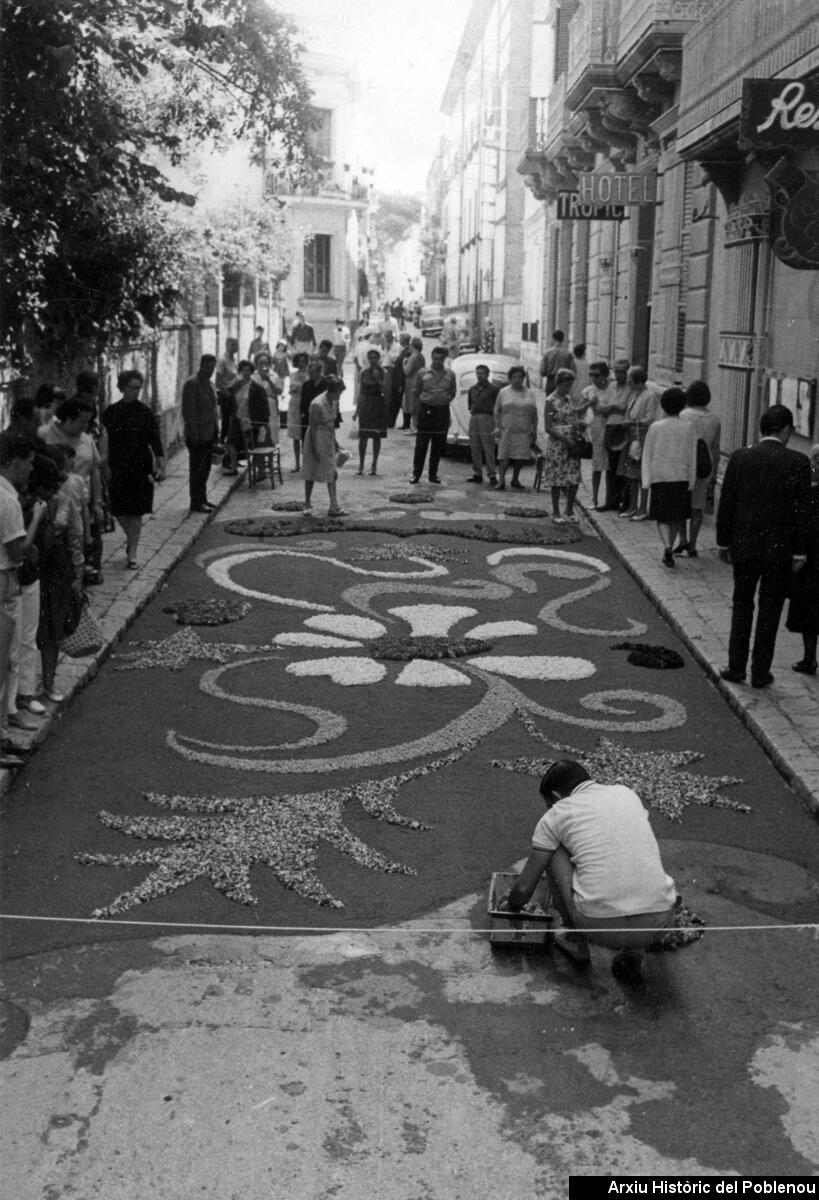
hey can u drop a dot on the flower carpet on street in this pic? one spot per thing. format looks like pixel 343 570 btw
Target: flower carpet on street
pixel 368 741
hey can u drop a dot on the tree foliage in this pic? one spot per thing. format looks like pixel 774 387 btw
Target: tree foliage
pixel 101 98
pixel 394 217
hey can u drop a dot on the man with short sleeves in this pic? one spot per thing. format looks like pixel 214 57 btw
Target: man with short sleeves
pixel 200 424
pixel 603 863
pixel 556 358
pixel 16 460
pixel 435 389
pixel 341 344
pixel 481 399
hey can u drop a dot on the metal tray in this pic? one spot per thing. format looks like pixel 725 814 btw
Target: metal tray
pixel 522 929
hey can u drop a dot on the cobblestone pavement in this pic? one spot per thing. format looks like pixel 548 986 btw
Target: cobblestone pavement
pixel 695 598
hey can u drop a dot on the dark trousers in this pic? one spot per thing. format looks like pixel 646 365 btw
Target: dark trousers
pixel 772 580
pixel 433 422
pixel 617 488
pixel 200 458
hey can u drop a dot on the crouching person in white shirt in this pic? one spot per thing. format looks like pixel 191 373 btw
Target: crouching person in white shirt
pixel 603 863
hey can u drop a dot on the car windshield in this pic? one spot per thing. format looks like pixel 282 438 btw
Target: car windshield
pixel 465 382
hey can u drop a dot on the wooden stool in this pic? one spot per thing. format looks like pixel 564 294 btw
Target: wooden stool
pixel 264 459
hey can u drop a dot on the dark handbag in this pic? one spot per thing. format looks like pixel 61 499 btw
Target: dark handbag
pixel 615 438
pixel 580 446
pixel 86 637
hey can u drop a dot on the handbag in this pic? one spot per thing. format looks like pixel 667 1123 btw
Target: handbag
pixel 580 446
pixel 341 457
pixel 86 637
pixel 635 450
pixel 615 438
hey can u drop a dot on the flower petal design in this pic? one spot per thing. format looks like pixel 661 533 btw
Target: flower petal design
pixel 348 672
pixel 497 629
pixel 535 666
pixel 425 673
pixel 319 640
pixel 347 625
pixel 432 620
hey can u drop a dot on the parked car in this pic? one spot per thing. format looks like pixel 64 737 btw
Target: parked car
pixel 432 319
pixel 464 367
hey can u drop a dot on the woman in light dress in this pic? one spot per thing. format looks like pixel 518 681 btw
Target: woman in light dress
pixel 515 427
pixel 319 448
pixel 297 377
pixel 707 425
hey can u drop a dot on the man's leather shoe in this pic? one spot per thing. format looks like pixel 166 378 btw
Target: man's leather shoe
pixel 434 479
pixel 765 681
pixel 475 479
pixel 209 506
pixel 201 508
pixel 732 676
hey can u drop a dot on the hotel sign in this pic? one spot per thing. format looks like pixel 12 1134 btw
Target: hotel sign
pixel 779 112
pixel 617 187
pixel 569 208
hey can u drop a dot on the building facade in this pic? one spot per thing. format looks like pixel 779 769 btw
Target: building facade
pixel 671 225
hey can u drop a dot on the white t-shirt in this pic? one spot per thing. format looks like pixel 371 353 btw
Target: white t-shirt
pixel 616 859
pixel 11 521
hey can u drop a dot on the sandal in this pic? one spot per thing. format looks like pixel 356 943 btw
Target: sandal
pixel 336 512
pixel 132 564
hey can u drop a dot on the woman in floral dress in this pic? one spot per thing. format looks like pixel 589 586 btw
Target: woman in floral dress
pixel 319 448
pixel 515 427
pixel 562 422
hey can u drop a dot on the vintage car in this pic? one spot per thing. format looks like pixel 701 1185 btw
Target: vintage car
pixel 432 320
pixel 464 367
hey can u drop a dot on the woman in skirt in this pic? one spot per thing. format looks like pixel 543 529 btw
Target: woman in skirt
pixel 670 470
pixel 803 611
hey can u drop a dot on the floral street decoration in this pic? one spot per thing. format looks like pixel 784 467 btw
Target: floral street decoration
pixel 219 839
pixel 411 498
pixel 267 527
pixel 174 653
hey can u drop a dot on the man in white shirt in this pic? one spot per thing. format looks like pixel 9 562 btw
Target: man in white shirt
pixel 603 863
pixel 16 460
pixel 341 344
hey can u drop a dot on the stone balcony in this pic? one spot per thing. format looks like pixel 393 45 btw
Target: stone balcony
pixel 319 184
pixel 593 51
pixel 734 41
pixel 652 28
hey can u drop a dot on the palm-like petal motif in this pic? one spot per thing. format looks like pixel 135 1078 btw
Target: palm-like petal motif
pixel 219 839
pixel 654 775
pixel 175 652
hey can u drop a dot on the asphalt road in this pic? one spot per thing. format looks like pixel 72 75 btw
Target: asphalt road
pixel 288 776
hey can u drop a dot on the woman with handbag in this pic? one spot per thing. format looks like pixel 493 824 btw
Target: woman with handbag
pixel 515 427
pixel 319 448
pixel 641 411
pixel 562 423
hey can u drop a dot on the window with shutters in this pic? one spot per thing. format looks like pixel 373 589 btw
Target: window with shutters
pixel 317 265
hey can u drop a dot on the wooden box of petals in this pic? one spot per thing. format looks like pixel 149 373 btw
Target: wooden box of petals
pixel 531 928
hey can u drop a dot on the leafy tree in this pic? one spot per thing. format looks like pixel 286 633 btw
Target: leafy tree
pixel 394 218
pixel 101 98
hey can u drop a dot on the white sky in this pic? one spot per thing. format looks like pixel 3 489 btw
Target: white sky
pixel 404 51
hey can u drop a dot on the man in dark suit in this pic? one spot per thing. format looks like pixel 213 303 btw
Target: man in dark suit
pixel 761 532
pixel 200 424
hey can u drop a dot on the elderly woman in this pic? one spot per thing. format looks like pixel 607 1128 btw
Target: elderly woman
pixel 707 427
pixel 669 469
pixel 597 395
pixel 371 409
pixel 641 410
pixel 319 448
pixel 136 460
pixel 515 427
pixel 803 610
pixel 562 422
pixel 263 403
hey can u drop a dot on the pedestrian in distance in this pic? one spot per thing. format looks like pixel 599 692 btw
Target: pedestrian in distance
pixel 302 336
pixel 669 470
pixel 415 363
pixel 435 389
pixel 557 357
pixel 341 344
pixel 16 462
pixel 263 403
pixel 298 378
pixel 227 372
pixel 601 858
pixel 258 345
pixel 200 425
pixel 762 533
pixel 398 379
pixel 371 410
pixel 581 370
pixel 803 610
pixel 451 337
pixel 596 396
pixel 707 428
pixel 480 400
pixel 136 460
pixel 642 408
pixel 515 427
